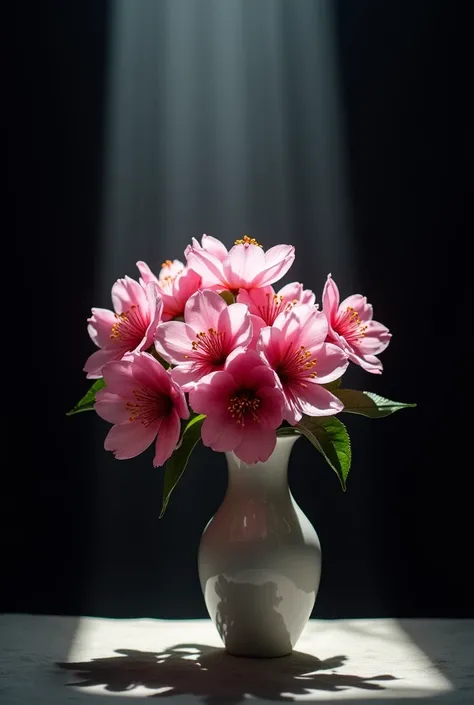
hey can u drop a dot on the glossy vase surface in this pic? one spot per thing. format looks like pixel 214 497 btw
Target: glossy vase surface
pixel 260 559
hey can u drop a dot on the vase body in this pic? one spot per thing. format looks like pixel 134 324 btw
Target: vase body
pixel 260 559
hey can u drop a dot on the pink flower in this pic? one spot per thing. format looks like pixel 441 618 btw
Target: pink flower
pixel 243 407
pixel 131 328
pixel 176 283
pixel 295 348
pixel 351 327
pixel 245 266
pixel 144 403
pixel 200 345
pixel 265 305
pixel 212 245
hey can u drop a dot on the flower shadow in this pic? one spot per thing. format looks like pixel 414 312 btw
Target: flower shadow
pixel 215 676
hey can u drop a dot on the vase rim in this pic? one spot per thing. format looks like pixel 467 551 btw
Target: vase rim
pixel 281 442
pixel 288 437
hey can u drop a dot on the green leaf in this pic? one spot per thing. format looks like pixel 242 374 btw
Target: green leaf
pixel 368 404
pixel 330 437
pixel 176 465
pixel 88 400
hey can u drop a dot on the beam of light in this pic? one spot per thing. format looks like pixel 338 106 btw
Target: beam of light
pixel 224 117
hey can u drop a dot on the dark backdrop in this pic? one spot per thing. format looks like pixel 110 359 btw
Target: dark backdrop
pixel 81 530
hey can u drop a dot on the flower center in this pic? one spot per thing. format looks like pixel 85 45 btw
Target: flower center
pixel 274 306
pixel 296 363
pixel 169 272
pixel 148 406
pixel 246 240
pixel 129 328
pixel 350 326
pixel 243 406
pixel 209 346
pixel 166 284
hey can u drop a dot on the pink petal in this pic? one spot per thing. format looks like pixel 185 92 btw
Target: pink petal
pixel 295 292
pixel 291 410
pixel 331 363
pixel 235 322
pixel 376 339
pixel 269 345
pixel 171 307
pixel 339 340
pixel 271 409
pixel 155 306
pixel 167 439
pixel 125 293
pixel 211 394
pixel 96 362
pixel 314 400
pixel 359 304
pixel 246 296
pixel 206 265
pixel 262 376
pixel 220 435
pixel 278 260
pixel 129 439
pixel 185 285
pixel 187 374
pixel 203 309
pixel 179 400
pixel 111 407
pixel 118 377
pixel 146 273
pixel 260 302
pixel 240 364
pixel 303 325
pixel 149 373
pixel 214 246
pixel 257 325
pixel 173 341
pixel 243 264
pixel 330 299
pixel 257 445
pixel 314 325
pixel 288 322
pixel 262 307
pixel 369 363
pixel 100 326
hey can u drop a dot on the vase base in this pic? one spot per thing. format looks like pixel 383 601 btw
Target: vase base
pixel 247 654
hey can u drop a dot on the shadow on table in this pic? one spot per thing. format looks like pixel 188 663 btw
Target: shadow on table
pixel 214 675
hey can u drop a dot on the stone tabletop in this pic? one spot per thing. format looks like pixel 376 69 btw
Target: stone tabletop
pixel 107 661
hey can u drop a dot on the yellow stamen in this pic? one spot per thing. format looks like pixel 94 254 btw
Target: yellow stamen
pixel 355 319
pixel 247 241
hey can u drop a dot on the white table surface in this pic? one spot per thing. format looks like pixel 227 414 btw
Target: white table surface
pixel 182 662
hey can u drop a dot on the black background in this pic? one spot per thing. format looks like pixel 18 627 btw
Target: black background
pixel 81 531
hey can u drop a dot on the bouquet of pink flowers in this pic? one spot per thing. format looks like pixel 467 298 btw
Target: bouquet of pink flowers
pixel 210 351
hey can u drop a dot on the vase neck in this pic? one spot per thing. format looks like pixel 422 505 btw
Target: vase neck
pixel 273 473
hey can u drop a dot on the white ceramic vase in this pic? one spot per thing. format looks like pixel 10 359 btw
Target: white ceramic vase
pixel 260 559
